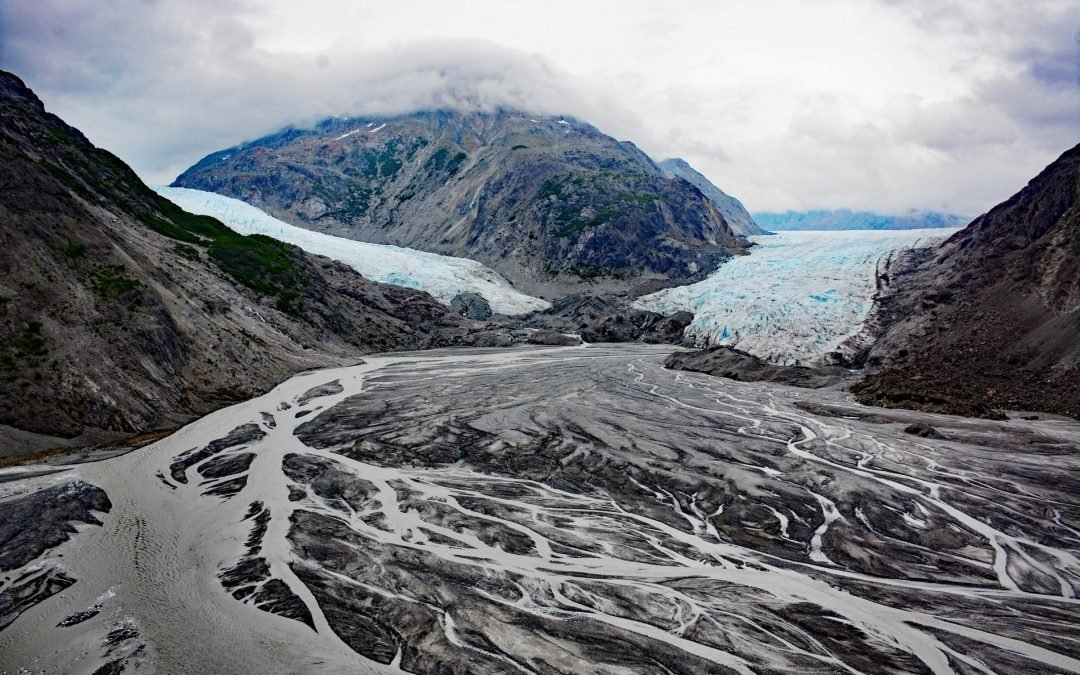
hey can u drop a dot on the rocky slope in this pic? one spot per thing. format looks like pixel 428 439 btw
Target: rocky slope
pixel 121 312
pixel 552 204
pixel 736 215
pixel 844 219
pixel 991 319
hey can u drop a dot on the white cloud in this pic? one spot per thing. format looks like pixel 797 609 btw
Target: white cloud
pixel 842 103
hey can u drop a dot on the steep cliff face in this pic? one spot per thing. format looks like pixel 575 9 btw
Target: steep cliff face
pixel 736 215
pixel 119 311
pixel 991 320
pixel 552 204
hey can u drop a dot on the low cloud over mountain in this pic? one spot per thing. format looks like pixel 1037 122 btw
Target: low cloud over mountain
pixel 880 106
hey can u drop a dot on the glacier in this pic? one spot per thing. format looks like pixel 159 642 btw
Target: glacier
pixel 797 297
pixel 442 276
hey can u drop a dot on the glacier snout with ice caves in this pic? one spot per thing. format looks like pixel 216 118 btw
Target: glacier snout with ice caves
pixel 442 276
pixel 795 298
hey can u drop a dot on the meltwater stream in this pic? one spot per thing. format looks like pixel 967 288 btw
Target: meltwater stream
pixel 566 510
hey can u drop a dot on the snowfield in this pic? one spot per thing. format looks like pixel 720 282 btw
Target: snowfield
pixel 442 276
pixel 795 298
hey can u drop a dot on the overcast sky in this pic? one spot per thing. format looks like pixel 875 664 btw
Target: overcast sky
pixel 867 104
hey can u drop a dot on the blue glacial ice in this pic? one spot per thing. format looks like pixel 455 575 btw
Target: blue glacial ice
pixel 441 276
pixel 795 298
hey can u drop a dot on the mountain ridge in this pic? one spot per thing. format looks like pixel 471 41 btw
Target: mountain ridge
pixel 550 203
pixel 740 220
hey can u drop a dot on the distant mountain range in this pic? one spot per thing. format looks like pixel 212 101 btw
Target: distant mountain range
pixel 551 203
pixel 843 219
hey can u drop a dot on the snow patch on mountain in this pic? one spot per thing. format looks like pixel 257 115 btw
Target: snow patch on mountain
pixel 795 298
pixel 442 276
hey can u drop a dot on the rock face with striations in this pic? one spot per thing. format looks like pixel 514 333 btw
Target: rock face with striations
pixel 991 319
pixel 736 215
pixel 121 312
pixel 552 204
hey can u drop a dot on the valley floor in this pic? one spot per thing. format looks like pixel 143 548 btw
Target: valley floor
pixel 575 509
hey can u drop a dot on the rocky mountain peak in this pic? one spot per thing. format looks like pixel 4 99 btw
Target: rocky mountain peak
pixel 551 203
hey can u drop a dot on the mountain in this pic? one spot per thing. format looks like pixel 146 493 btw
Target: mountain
pixel 551 204
pixel 121 312
pixel 736 215
pixel 844 219
pixel 991 319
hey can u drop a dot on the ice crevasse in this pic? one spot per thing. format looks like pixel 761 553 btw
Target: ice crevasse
pixel 797 297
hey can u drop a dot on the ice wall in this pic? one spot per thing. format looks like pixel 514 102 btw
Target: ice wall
pixel 796 297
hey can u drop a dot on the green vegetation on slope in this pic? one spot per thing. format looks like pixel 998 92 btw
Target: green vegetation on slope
pixel 260 263
pixel 26 346
pixel 442 161
pixel 111 281
pixel 266 266
pixel 565 197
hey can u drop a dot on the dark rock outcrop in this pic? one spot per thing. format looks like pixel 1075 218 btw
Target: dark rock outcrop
pixel 669 329
pixel 32 524
pixel 471 306
pixel 922 430
pixel 609 317
pixel 991 319
pixel 550 337
pixel 249 579
pixel 552 204
pixel 628 325
pixel 738 365
pixel 20 597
